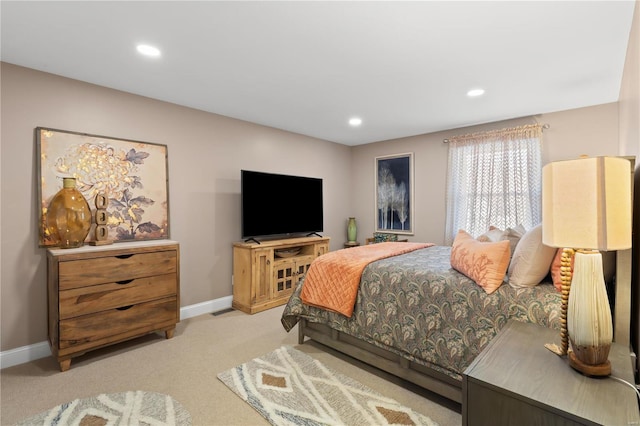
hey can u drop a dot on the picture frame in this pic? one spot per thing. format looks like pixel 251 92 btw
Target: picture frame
pixel 132 175
pixel 394 190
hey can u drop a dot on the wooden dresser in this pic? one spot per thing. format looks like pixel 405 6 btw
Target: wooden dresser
pixel 102 295
pixel 265 273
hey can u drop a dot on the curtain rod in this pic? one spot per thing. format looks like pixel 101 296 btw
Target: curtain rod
pixel 544 127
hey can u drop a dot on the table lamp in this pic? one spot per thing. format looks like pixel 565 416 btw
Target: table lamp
pixel 586 207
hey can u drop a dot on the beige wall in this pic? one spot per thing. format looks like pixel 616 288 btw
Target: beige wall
pixel 206 153
pixel 591 131
pixel 629 99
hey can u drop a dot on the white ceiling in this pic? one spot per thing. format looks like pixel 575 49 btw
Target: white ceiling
pixel 307 67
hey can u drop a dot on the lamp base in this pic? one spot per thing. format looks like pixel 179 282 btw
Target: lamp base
pixel 599 370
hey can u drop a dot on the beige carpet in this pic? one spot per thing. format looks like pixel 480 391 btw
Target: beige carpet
pixel 288 387
pixel 186 368
pixel 125 408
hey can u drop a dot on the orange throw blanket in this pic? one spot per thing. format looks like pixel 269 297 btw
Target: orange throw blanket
pixel 333 279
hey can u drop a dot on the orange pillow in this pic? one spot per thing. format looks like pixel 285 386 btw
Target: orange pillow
pixel 555 269
pixel 484 262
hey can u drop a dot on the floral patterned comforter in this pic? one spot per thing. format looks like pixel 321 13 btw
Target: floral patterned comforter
pixel 416 305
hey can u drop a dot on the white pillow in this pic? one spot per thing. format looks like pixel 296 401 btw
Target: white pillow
pixel 493 235
pixel 514 235
pixel 531 260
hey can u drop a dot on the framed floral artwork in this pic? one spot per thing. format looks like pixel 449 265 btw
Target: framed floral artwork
pixel 132 176
pixel 394 194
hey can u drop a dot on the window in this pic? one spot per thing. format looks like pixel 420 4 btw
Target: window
pixel 494 178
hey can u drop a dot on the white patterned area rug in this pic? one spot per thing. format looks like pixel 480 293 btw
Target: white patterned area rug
pixel 288 387
pixel 125 408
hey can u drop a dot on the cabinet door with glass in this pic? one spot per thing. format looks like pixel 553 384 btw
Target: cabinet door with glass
pixel 287 273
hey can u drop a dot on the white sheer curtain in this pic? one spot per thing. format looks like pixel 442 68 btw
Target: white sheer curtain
pixel 494 178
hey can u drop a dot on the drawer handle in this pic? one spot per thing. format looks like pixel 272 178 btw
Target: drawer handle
pixel 124 308
pixel 124 256
pixel 123 282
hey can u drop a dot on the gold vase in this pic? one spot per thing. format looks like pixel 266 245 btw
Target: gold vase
pixel 68 216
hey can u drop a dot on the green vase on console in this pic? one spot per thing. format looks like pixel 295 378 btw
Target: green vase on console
pixel 352 230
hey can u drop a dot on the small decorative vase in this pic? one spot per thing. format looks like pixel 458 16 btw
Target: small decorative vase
pixel 352 230
pixel 68 216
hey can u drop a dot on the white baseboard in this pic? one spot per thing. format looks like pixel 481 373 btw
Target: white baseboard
pixel 208 307
pixel 24 354
pixel 41 350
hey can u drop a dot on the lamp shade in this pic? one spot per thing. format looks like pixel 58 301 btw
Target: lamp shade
pixel 586 203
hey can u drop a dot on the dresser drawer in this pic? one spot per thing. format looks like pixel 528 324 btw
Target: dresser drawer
pixel 102 297
pixel 108 269
pixel 90 328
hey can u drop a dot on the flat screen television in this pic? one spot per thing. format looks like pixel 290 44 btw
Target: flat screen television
pixel 280 205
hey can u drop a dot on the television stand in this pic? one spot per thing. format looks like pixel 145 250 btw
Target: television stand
pixel 266 273
pixel 314 233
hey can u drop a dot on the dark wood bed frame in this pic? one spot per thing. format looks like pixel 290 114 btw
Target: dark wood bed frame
pixel 390 362
pixel 444 385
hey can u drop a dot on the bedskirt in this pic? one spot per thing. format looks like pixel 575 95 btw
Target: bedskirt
pixel 417 306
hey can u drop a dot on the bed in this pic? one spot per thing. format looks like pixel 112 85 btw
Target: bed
pixel 421 320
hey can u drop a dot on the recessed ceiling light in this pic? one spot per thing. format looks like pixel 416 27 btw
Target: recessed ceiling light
pixel 355 121
pixel 475 92
pixel 147 50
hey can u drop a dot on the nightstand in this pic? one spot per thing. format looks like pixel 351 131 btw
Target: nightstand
pixel 517 381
